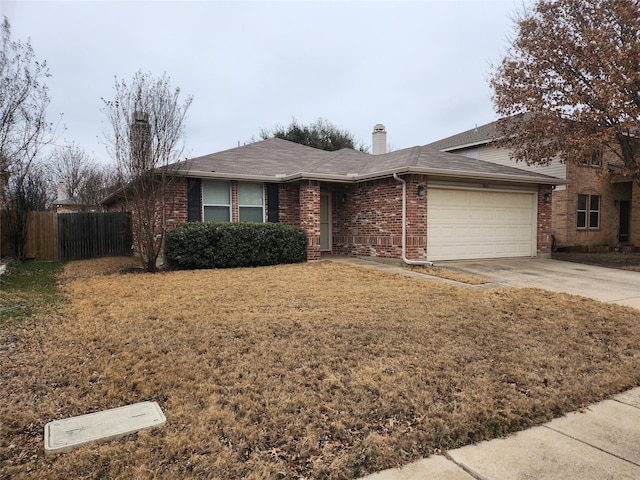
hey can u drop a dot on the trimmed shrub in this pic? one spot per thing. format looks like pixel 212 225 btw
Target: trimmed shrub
pixel 228 245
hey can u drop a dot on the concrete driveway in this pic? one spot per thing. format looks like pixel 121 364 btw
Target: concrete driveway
pixel 604 284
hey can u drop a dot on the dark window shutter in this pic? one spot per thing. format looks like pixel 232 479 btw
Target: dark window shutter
pixel 194 206
pixel 272 202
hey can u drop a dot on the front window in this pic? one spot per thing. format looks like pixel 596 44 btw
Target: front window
pixel 588 211
pixel 250 202
pixel 216 201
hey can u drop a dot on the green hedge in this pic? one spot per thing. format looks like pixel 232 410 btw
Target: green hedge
pixel 228 245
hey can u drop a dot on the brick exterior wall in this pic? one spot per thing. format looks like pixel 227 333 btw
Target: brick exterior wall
pixel 175 208
pixel 310 216
pixel 369 222
pixel 289 204
pixel 586 180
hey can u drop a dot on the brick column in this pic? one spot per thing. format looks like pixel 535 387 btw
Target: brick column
pixel 416 245
pixel 310 216
pixel 543 222
pixel 634 227
pixel 235 210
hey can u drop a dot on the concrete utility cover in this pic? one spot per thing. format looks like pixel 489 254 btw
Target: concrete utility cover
pixel 65 435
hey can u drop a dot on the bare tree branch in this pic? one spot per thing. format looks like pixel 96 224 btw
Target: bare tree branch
pixel 146 120
pixel 24 98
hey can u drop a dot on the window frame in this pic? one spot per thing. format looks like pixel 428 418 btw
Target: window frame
pixel 594 210
pixel 587 212
pixel 227 205
pixel 253 206
pixel 593 160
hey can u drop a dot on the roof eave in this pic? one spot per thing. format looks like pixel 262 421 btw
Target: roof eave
pixel 355 178
pixel 466 145
pixel 230 176
pixel 546 180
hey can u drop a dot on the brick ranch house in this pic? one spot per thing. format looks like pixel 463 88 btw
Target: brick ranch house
pixel 596 206
pixel 415 204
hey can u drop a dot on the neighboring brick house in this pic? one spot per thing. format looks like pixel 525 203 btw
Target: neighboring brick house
pixel 414 204
pixel 595 207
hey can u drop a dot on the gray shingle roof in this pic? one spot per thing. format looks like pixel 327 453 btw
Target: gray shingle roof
pixel 277 160
pixel 68 202
pixel 476 136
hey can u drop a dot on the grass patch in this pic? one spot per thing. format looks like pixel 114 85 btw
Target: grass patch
pixel 28 288
pixel 86 269
pixel 318 370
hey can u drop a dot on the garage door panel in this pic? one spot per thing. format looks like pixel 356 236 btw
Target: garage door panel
pixel 470 224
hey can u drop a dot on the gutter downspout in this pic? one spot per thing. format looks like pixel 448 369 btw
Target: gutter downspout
pixel 404 227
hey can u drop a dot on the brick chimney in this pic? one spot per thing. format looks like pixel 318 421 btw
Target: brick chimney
pixel 379 144
pixel 140 143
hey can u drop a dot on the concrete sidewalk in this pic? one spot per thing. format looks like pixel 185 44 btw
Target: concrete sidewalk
pixel 603 442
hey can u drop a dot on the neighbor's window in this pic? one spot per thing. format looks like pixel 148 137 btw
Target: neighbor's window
pixel 250 202
pixel 588 211
pixel 594 211
pixel 593 160
pixel 216 201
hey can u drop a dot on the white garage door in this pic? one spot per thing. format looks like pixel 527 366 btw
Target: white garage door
pixel 468 224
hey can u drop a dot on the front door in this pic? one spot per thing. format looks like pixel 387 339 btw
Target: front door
pixel 625 210
pixel 325 222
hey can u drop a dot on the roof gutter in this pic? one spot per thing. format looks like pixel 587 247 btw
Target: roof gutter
pixel 404 227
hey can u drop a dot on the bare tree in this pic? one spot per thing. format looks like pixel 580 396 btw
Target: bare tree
pixel 85 180
pixel 24 98
pixel 99 181
pixel 28 192
pixel 570 83
pixel 147 126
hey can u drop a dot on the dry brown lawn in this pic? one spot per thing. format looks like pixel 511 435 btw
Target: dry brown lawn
pixel 449 275
pixel 318 370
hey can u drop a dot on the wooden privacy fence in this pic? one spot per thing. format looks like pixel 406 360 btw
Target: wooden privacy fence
pixel 93 235
pixel 75 236
pixel 41 241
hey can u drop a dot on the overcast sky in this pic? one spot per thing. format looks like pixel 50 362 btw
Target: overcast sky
pixel 421 68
